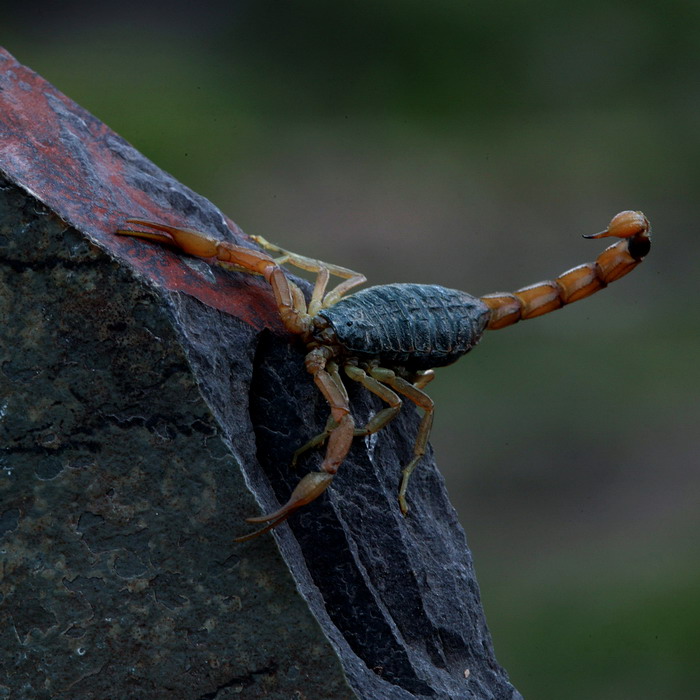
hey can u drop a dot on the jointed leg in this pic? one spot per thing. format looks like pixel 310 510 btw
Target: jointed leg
pixel 375 423
pixel 319 290
pixel 315 441
pixel 376 382
pixel 422 400
pixel 383 417
pixel 320 298
pixel 423 378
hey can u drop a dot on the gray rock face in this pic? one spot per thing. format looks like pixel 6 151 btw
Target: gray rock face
pixel 120 495
pixel 147 405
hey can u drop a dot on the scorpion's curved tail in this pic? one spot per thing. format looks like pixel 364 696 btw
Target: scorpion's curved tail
pixel 581 281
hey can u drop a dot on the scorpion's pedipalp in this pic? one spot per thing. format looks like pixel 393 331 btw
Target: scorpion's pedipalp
pixel 188 240
pixel 307 490
pixel 163 227
pixel 614 262
pixel 325 374
pixel 331 423
pixel 261 531
pixel 203 246
pixel 341 395
pixel 290 300
pixel 148 235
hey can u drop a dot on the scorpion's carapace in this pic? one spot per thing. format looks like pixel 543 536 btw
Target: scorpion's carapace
pixel 387 338
pixel 581 281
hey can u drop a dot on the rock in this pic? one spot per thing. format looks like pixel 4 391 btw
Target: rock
pixel 148 403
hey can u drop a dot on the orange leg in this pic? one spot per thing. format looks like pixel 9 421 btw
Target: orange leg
pixel 320 298
pixel 579 282
pixel 382 418
pixel 289 298
pixel 379 420
pixel 414 393
pixel 376 382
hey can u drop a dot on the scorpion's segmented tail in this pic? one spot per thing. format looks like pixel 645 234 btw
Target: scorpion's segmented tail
pixel 581 281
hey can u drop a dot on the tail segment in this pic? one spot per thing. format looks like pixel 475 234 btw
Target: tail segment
pixel 581 281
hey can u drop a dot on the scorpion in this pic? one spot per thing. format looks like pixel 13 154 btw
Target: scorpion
pixel 389 338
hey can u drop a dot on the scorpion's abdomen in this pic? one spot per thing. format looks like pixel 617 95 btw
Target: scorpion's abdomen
pixel 416 325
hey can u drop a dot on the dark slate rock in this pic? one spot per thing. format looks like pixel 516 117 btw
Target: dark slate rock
pixel 120 493
pixel 143 397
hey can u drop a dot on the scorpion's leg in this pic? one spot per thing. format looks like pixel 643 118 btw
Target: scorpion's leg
pixel 289 298
pixel 375 382
pixel 339 441
pixel 386 415
pixel 414 393
pixel 423 377
pixel 316 441
pixel 581 281
pixel 319 299
pixel 377 421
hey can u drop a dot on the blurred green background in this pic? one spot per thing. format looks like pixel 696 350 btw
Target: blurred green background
pixel 469 144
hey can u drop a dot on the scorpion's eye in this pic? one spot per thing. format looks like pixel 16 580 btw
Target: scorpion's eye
pixel 348 323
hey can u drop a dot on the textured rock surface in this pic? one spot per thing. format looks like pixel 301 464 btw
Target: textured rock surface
pixel 120 497
pixel 128 410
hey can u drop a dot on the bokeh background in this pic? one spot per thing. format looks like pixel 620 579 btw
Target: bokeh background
pixel 469 144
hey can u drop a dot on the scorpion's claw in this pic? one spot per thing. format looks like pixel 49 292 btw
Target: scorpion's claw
pixel 187 240
pixel 307 490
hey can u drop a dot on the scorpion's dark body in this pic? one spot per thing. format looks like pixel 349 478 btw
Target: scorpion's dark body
pixel 418 326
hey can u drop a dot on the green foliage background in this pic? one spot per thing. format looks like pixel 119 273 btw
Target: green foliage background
pixel 469 144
